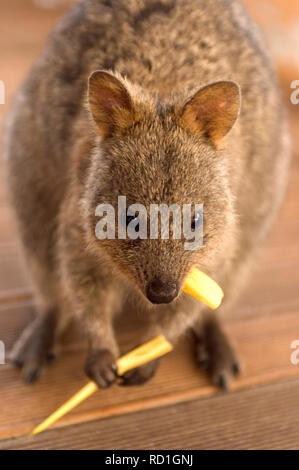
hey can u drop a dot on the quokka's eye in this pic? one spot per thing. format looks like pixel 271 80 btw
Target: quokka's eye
pixel 196 221
pixel 131 218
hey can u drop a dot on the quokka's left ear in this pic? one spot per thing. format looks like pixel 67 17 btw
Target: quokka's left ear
pixel 110 103
pixel 213 110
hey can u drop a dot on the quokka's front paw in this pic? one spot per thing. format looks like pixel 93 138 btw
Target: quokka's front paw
pixel 100 367
pixel 35 347
pixel 215 354
pixel 141 374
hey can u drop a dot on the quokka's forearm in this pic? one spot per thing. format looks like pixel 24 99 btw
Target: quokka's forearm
pixel 93 308
pixel 92 301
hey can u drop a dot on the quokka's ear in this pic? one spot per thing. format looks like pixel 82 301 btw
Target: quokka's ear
pixel 213 110
pixel 110 103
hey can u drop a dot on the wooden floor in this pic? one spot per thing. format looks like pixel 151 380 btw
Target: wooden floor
pixel 178 408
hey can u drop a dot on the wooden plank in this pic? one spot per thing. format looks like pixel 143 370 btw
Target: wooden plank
pixel 263 346
pixel 257 418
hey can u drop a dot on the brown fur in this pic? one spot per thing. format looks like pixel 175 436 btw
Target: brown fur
pixel 155 127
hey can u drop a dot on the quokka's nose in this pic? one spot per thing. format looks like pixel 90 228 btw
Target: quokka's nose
pixel 159 292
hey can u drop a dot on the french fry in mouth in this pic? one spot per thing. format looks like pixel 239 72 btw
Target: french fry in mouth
pixel 203 288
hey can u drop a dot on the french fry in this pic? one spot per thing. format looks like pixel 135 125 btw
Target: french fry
pixel 147 352
pixel 203 288
pixel 76 399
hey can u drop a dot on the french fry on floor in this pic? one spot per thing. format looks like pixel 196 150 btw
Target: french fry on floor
pixel 149 351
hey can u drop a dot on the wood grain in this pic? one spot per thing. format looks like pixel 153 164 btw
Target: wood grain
pixel 219 422
pixel 263 346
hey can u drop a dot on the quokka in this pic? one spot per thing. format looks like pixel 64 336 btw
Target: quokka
pixel 168 101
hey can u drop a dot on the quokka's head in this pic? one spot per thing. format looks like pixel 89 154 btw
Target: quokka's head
pixel 156 152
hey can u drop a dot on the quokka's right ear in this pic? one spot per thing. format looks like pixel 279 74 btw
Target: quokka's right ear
pixel 213 110
pixel 110 103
